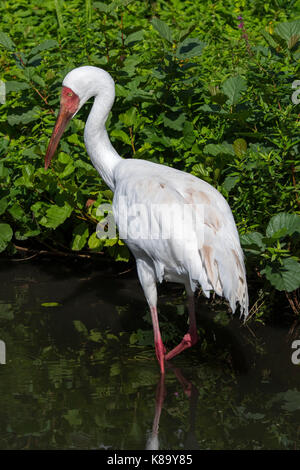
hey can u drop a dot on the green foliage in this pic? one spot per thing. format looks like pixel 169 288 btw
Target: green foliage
pixel 6 234
pixel 233 87
pixel 274 251
pixel 163 29
pixel 193 91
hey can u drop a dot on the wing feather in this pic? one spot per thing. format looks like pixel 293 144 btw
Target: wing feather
pixel 184 226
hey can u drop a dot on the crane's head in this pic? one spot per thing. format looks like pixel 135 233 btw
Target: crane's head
pixel 78 86
pixel 69 105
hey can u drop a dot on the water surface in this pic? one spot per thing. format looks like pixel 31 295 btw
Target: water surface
pixel 81 373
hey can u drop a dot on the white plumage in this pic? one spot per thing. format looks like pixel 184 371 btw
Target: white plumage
pixel 178 227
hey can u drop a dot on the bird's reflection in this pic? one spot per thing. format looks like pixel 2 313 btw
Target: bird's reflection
pixel 191 392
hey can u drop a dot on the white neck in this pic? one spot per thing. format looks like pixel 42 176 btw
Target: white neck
pixel 103 155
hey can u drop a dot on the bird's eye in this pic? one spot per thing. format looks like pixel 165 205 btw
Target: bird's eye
pixel 70 94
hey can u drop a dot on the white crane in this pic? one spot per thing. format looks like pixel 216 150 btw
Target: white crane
pixel 178 227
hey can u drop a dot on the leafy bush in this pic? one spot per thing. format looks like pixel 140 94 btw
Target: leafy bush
pixel 205 87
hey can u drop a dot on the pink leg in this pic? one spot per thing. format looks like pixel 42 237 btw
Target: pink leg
pixel 147 277
pixel 191 336
pixel 152 442
pixel 159 347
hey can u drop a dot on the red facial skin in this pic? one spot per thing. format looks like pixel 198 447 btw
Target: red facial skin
pixel 69 103
pixel 69 99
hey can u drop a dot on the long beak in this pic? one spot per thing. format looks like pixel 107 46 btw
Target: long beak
pixel 63 118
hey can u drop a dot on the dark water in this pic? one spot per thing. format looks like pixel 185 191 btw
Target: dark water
pixel 81 373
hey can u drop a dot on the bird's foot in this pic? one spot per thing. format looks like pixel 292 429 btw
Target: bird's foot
pixel 189 340
pixel 160 354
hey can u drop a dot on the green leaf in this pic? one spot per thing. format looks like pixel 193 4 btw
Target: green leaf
pixel 6 311
pixel 176 123
pixel 269 38
pixel 219 149
pixel 28 170
pixel 285 277
pixel 59 16
pixel 73 417
pixel 121 135
pixel 46 45
pixel 27 233
pixel 34 62
pixel 81 328
pixel 56 215
pixel 291 399
pixel 253 242
pixel 15 86
pixel 95 336
pixel 16 211
pixel 230 182
pixel 37 79
pixel 115 369
pixel 216 95
pixel 184 34
pixel 24 118
pixel 108 194
pixel 6 234
pixel 94 242
pixel 144 337
pixel 110 242
pixel 240 147
pixel 4 172
pixel 188 134
pixel 134 38
pixel 221 318
pixel 6 41
pixel 3 205
pixel 129 118
pixel 190 47
pixel 50 304
pixel 200 170
pixel 64 158
pixel 51 216
pixel 80 236
pixel 289 31
pixel 163 29
pixel 283 224
pixel 293 41
pixel 233 87
pixel 101 6
pixel 68 170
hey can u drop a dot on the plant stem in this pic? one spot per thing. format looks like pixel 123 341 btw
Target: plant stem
pixel 131 139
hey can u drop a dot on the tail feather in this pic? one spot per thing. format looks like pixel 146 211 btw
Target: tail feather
pixel 226 273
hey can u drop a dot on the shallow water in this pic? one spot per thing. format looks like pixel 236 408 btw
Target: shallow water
pixel 80 369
